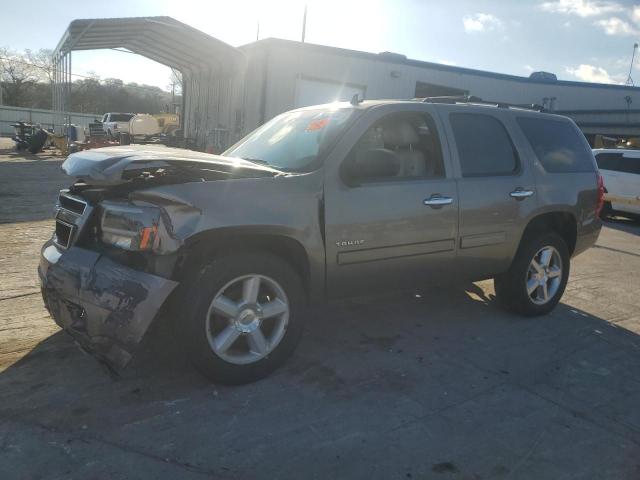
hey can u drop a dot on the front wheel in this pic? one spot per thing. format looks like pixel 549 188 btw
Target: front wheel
pixel 244 317
pixel 538 276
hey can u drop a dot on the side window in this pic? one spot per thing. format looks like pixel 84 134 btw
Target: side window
pixel 630 165
pixel 557 144
pixel 609 161
pixel 105 118
pixel 484 146
pixel 400 146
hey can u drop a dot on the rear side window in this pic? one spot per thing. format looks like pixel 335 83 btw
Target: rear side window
pixel 558 145
pixel 609 161
pixel 630 165
pixel 121 117
pixel 484 146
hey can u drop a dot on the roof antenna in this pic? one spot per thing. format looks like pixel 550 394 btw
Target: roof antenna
pixel 633 57
pixel 354 100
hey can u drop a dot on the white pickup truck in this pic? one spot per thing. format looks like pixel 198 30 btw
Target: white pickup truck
pixel 130 125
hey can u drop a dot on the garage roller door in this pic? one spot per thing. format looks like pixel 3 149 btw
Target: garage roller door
pixel 315 92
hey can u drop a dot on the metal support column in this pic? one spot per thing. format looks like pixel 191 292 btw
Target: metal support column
pixel 61 90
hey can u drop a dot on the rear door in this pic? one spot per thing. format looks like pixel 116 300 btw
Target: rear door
pixel 496 188
pixel 400 229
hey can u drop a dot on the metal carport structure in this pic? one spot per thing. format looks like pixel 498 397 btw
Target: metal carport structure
pixel 213 71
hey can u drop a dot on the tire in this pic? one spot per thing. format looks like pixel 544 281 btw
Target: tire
pixel 227 275
pixel 512 287
pixel 37 141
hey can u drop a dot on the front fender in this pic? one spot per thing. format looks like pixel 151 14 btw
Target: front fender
pixel 286 207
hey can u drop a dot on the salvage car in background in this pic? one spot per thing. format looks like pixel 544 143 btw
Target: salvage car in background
pixel 620 171
pixel 130 127
pixel 319 203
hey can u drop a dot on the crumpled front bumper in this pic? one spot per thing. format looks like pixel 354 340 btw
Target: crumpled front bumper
pixel 107 307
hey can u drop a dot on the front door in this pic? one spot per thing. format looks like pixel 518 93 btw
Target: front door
pixel 391 206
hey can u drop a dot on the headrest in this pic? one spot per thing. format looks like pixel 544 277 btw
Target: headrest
pixel 400 134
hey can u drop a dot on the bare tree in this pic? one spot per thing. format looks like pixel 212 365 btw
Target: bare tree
pixel 17 75
pixel 41 59
pixel 175 81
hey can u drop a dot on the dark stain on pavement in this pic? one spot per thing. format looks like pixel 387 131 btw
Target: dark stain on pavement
pixel 444 467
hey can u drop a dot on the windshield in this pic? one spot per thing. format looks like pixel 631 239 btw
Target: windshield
pixel 292 141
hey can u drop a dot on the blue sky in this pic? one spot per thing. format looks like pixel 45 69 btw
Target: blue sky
pixel 589 40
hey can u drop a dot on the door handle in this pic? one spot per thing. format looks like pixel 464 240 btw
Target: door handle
pixel 435 201
pixel 520 194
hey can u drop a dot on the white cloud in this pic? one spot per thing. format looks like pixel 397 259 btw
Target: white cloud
pixel 481 22
pixel 582 8
pixel 589 73
pixel 528 68
pixel 616 26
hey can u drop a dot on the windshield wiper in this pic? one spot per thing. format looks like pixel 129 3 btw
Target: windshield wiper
pixel 256 160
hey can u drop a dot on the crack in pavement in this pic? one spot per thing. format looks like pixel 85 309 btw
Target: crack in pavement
pixel 73 436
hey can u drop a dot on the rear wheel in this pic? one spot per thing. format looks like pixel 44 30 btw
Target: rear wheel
pixel 124 138
pixel 538 276
pixel 245 317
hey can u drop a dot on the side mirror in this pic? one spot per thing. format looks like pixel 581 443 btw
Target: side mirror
pixel 372 164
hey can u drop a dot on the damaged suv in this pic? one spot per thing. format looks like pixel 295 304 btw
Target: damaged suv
pixel 318 203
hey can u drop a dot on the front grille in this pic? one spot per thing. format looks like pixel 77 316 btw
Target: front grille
pixel 72 215
pixel 64 233
pixel 72 204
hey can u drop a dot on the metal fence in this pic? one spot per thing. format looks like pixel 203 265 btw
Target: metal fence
pixel 46 118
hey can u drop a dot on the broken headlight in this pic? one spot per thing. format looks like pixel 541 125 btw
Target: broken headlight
pixel 129 226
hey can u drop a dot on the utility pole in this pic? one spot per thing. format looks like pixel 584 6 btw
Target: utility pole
pixel 304 23
pixel 258 31
pixel 633 57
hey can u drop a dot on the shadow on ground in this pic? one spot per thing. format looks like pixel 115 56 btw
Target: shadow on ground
pixel 435 384
pixel 29 187
pixel 624 224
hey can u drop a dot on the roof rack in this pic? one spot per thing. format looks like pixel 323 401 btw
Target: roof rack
pixel 478 101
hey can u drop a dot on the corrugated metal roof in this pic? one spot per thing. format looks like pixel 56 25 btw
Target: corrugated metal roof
pixel 162 39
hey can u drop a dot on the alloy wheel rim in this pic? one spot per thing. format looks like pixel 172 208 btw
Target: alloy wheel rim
pixel 247 319
pixel 544 275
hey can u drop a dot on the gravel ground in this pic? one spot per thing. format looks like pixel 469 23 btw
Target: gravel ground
pixel 435 384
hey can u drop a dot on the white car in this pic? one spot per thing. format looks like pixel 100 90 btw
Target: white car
pixel 114 123
pixel 620 170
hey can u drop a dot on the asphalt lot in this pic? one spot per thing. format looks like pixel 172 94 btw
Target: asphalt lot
pixel 438 384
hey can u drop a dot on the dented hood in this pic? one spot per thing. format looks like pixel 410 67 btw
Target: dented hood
pixel 114 165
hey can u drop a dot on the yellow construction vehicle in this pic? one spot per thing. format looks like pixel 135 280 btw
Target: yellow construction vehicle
pixel 169 122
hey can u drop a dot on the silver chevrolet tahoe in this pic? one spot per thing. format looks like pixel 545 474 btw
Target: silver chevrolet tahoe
pixel 319 203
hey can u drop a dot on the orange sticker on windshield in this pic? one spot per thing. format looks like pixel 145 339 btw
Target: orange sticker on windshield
pixel 316 125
